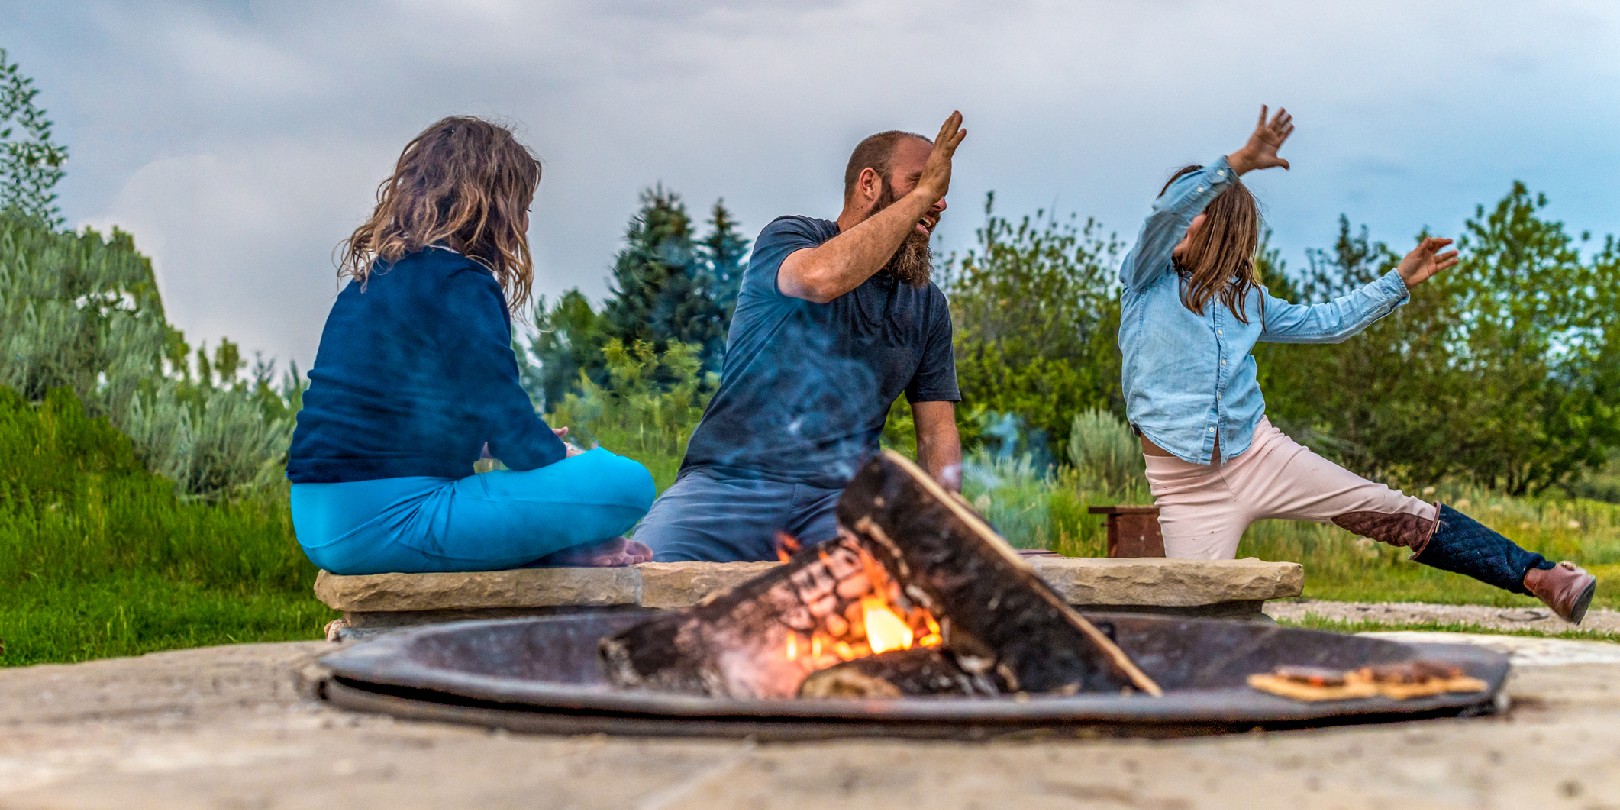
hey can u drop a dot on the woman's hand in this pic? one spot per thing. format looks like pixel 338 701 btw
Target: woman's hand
pixel 1425 260
pixel 1261 150
pixel 571 449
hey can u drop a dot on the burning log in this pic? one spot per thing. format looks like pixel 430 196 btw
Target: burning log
pixel 917 672
pixel 764 637
pixel 954 564
pixel 915 569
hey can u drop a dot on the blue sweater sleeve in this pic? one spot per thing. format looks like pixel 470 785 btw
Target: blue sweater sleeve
pixel 478 332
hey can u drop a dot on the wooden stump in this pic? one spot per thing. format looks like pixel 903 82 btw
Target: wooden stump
pixel 1133 531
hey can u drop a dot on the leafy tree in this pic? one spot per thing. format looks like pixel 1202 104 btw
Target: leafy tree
pixel 565 348
pixel 1538 334
pixel 1373 402
pixel 1505 370
pixel 31 163
pixel 659 293
pixel 636 411
pixel 1036 310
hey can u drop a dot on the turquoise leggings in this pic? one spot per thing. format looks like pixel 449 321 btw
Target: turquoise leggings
pixel 484 522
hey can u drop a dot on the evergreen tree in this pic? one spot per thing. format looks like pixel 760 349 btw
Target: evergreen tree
pixel 659 291
pixel 725 252
pixel 30 162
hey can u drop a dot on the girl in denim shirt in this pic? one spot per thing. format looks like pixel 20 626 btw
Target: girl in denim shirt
pixel 1192 309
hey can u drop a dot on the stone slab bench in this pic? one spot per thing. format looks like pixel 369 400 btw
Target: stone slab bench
pixel 1223 588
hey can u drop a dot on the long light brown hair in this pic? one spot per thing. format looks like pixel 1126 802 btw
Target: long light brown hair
pixel 466 182
pixel 1219 259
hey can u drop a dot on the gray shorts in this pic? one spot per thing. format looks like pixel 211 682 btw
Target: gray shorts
pixel 704 516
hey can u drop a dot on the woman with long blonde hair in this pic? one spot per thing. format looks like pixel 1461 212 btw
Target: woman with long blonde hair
pixel 1192 309
pixel 415 380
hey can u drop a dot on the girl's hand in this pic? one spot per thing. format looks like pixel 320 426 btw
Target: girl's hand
pixel 1261 150
pixel 1425 260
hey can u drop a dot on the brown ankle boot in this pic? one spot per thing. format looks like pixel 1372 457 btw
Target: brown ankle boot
pixel 1566 588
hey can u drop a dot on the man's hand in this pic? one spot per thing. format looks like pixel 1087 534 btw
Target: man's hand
pixel 936 174
pixel 1261 150
pixel 1425 260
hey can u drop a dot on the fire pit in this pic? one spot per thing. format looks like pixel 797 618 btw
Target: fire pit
pixel 544 675
pixel 918 620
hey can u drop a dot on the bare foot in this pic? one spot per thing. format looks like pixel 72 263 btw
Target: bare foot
pixel 614 553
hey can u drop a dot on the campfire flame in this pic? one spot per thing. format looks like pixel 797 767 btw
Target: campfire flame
pixel 878 620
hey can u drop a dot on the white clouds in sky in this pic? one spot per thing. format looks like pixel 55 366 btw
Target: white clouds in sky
pixel 239 142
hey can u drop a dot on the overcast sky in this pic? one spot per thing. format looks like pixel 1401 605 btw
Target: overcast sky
pixel 240 141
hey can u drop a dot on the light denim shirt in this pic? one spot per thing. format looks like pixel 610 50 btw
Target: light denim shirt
pixel 1190 379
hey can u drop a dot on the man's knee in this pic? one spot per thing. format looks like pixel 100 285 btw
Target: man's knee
pixel 703 519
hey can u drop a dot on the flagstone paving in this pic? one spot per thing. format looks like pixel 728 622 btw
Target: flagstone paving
pixel 233 727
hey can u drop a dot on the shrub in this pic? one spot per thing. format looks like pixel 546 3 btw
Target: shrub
pixel 1106 454
pixel 636 414
pixel 81 312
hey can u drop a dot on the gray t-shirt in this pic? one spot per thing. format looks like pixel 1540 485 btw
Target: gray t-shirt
pixel 806 387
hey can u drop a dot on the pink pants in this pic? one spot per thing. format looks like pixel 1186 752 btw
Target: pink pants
pixel 1203 510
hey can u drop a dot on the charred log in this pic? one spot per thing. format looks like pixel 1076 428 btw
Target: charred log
pixel 991 603
pixel 922 553
pixel 918 672
pixel 736 643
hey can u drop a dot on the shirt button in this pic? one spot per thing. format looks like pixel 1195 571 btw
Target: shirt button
pixel 1220 173
pixel 1220 332
pixel 1212 430
pixel 1223 362
pixel 1200 189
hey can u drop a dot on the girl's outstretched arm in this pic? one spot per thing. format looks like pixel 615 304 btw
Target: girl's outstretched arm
pixel 1347 315
pixel 1189 194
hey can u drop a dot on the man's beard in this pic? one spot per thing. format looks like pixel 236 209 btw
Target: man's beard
pixel 913 263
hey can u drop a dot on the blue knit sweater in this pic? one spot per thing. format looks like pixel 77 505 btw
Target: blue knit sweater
pixel 415 372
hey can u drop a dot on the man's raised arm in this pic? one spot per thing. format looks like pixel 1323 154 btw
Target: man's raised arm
pixel 846 261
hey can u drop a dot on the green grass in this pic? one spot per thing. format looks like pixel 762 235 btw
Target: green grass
pixel 1340 626
pixel 139 613
pixel 99 557
pixel 1037 509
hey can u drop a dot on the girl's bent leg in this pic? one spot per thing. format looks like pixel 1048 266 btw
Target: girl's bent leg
pixel 1281 478
pixel 1198 517
pixel 507 519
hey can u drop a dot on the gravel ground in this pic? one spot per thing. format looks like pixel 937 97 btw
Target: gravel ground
pixel 1489 618
pixel 234 727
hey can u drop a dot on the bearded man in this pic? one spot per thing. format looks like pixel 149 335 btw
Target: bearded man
pixel 834 321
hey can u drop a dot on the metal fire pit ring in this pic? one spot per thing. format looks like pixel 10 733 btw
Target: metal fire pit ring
pixel 541 675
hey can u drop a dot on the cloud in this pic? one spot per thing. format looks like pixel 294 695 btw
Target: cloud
pixel 239 142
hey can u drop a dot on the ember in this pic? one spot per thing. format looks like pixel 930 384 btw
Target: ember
pixel 878 620
pixel 917 585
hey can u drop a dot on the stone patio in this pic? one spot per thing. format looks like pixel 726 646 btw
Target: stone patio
pixel 233 728
pixel 1224 588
